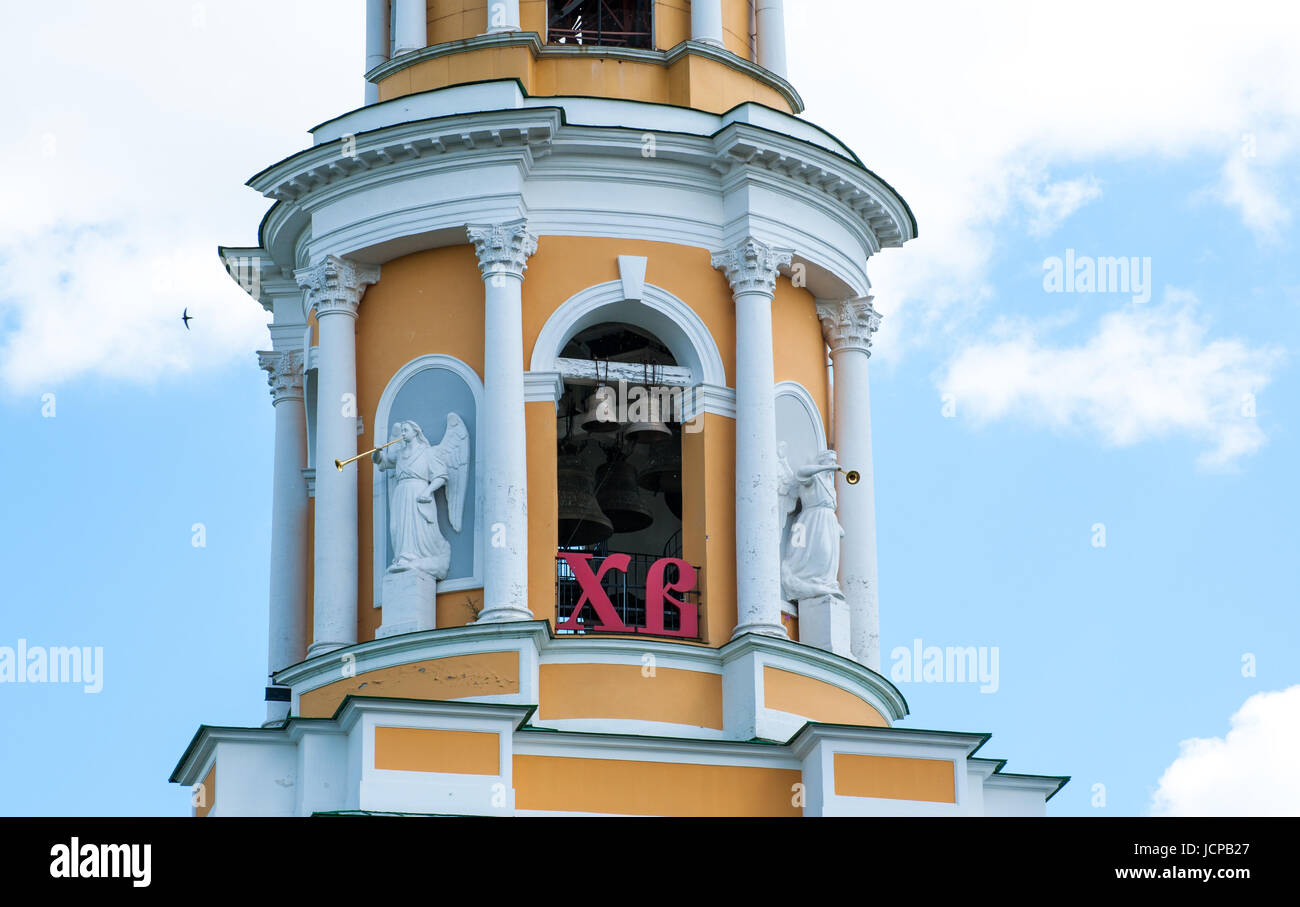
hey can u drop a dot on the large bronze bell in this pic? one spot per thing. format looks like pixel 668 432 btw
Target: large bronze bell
pixel 621 498
pixel 581 520
pixel 664 471
pixel 602 411
pixel 648 432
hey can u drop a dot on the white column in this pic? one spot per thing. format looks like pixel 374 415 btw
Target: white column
pixel 503 251
pixel 847 326
pixel 334 288
pixel 706 21
pixel 771 36
pixel 751 269
pixel 411 26
pixel 377 42
pixel 287 623
pixel 502 16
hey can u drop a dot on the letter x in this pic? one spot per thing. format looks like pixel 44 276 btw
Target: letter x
pixel 592 591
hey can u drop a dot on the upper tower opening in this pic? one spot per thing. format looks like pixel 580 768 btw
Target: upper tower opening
pixel 707 54
pixel 602 23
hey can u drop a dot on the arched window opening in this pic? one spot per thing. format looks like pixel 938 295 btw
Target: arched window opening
pixel 619 464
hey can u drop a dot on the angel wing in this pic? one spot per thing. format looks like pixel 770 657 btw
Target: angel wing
pixel 453 451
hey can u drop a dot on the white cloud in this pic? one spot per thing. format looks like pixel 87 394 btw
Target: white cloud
pixel 122 170
pixel 1249 772
pixel 1149 371
pixel 954 104
pixel 1049 206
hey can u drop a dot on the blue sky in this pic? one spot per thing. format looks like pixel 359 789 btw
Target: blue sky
pixel 1173 141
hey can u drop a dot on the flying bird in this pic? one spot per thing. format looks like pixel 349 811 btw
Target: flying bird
pixel 185 317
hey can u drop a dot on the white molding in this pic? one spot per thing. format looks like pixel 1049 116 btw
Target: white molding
pixel 543 386
pixel 631 270
pixel 379 483
pixel 714 181
pixel 711 399
pixel 671 320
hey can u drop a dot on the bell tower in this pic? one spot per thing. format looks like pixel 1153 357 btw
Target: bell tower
pixel 573 502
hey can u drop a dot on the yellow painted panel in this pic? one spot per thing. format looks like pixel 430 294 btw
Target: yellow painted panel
pixel 815 699
pixel 457 609
pixel 895 778
pixel 543 508
pixel 736 23
pixel 453 677
pixel 653 788
pixel 622 691
pixel 416 749
pixel 532 16
pixel 672 23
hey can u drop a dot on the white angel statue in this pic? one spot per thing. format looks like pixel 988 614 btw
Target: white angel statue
pixel 420 469
pixel 810 555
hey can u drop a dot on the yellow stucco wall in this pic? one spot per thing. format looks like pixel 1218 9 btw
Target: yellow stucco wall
pixel 432 302
pixel 625 691
pixel 690 81
pixel 452 677
pixel 418 749
pixel 895 778
pixel 798 350
pixel 816 700
pixel 456 20
pixel 627 787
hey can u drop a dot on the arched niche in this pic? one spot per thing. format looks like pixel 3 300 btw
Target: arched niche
pixel 426 390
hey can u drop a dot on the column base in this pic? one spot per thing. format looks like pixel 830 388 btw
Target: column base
pixel 503 614
pixel 763 629
pixel 324 648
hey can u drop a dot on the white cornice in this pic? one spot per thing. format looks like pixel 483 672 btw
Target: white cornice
pixel 705 190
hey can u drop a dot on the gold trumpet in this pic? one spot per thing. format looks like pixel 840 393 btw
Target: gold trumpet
pixel 852 476
pixel 339 464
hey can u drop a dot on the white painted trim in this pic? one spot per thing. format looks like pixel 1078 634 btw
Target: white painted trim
pixel 671 320
pixel 540 387
pixel 379 540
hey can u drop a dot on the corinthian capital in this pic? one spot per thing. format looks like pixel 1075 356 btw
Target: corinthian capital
pixel 752 265
pixel 334 285
pixel 283 373
pixel 849 323
pixel 502 248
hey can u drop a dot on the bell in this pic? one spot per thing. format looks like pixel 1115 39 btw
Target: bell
pixel 674 501
pixel 620 498
pixel 648 432
pixel 664 471
pixel 581 520
pixel 602 411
